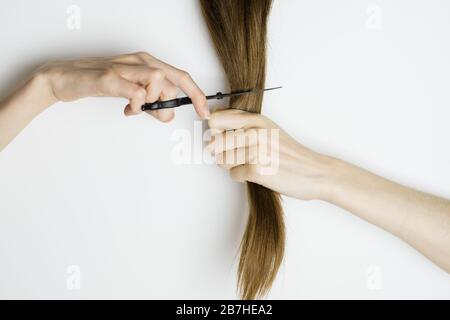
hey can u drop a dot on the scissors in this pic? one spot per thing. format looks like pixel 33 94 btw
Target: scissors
pixel 174 103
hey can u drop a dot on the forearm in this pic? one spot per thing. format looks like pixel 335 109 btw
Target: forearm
pixel 420 219
pixel 17 111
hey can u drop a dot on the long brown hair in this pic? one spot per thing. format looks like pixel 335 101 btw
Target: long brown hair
pixel 238 29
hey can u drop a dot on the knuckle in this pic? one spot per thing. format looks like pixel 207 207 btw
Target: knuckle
pixel 139 93
pixel 157 75
pixel 142 54
pixel 185 76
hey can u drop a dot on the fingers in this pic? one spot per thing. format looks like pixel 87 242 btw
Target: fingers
pixel 178 77
pixel 187 84
pixel 117 86
pixel 156 85
pixel 233 139
pixel 236 157
pixel 140 74
pixel 184 81
pixel 247 153
pixel 151 78
pixel 145 69
pixel 154 89
pixel 245 172
pixel 232 119
pixel 237 149
pixel 168 92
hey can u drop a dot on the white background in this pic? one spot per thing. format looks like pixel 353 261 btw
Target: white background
pixel 85 186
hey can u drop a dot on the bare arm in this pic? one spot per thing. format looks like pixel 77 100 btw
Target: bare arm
pixel 420 219
pixel 17 111
pixel 138 77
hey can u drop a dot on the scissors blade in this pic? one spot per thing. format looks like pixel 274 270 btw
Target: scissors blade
pixel 239 93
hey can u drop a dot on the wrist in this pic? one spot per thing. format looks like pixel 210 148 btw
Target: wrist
pixel 335 172
pixel 39 89
pixel 31 98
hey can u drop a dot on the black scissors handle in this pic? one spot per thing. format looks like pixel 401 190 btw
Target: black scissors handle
pixel 169 104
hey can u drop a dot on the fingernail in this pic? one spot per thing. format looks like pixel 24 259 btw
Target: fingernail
pixel 207 113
